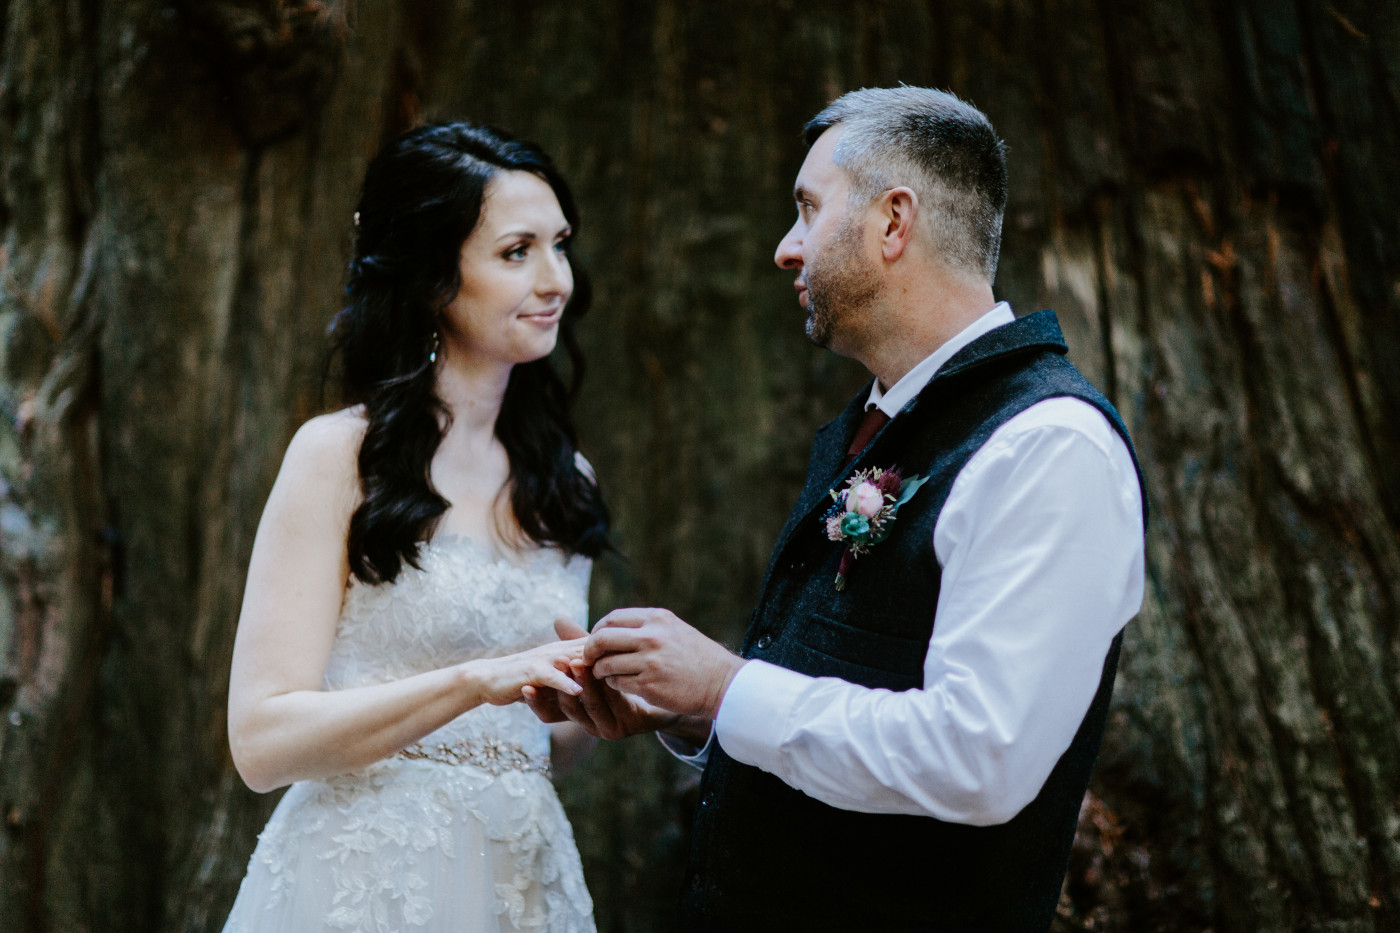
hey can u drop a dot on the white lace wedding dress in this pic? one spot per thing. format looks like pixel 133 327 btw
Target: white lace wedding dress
pixel 461 832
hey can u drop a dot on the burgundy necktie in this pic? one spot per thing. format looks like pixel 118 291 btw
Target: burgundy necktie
pixel 870 425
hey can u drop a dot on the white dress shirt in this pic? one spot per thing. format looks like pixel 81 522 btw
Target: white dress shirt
pixel 1041 546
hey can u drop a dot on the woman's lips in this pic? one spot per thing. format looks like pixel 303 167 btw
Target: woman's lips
pixel 544 318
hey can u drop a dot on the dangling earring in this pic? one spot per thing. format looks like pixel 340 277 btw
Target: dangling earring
pixel 433 347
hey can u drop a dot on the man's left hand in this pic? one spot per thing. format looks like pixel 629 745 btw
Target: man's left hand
pixel 652 654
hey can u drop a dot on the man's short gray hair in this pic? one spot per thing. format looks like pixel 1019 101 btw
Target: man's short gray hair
pixel 937 145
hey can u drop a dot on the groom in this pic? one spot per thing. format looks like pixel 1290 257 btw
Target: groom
pixel 906 750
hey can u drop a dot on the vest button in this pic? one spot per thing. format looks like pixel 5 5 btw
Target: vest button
pixel 763 642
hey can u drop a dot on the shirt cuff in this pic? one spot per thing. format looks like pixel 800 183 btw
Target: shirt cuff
pixel 686 751
pixel 755 711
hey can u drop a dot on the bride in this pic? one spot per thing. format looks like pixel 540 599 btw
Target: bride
pixel 415 552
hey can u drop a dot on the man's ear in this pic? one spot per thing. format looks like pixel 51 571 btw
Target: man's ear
pixel 899 210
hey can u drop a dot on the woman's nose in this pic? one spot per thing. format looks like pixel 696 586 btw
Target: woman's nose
pixel 558 275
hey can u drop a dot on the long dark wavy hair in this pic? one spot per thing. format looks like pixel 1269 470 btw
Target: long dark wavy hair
pixel 421 199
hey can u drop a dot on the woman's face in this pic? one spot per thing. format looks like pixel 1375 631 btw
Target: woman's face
pixel 515 276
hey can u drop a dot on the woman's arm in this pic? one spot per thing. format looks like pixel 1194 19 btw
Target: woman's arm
pixel 282 726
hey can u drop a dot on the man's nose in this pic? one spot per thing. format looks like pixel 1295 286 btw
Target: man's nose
pixel 789 254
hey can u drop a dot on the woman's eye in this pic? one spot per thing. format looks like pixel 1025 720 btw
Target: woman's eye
pixel 517 252
pixel 561 246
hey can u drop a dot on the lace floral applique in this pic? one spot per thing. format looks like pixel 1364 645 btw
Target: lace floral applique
pixel 367 852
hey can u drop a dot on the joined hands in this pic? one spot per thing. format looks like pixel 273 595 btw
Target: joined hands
pixel 642 670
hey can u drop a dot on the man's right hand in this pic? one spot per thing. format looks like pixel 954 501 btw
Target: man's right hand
pixel 598 709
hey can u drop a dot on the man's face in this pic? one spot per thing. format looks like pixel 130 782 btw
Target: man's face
pixel 826 247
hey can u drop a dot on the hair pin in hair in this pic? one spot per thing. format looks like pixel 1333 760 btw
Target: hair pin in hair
pixel 357 218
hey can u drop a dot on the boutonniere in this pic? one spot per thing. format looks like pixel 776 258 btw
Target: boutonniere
pixel 864 510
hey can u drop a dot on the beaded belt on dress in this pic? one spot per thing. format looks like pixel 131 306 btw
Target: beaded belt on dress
pixel 488 754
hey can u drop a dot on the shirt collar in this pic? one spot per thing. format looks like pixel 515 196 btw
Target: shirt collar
pixel 892 400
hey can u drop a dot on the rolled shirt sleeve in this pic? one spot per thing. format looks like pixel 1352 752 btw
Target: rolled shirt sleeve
pixel 1041 545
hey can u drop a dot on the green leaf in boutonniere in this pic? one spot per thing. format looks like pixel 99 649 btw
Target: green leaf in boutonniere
pixel 908 488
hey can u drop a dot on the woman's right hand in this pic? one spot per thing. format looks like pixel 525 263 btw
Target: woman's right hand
pixel 500 679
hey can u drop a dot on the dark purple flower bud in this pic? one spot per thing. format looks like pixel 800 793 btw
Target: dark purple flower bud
pixel 889 482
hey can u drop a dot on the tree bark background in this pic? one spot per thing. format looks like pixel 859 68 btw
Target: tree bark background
pixel 1204 190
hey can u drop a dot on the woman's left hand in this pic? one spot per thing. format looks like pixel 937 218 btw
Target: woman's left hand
pixel 501 680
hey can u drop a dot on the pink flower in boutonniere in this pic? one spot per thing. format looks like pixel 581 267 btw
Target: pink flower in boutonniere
pixel 863 511
pixel 865 499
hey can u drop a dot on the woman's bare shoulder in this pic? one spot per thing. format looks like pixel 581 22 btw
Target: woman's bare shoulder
pixel 333 432
pixel 326 449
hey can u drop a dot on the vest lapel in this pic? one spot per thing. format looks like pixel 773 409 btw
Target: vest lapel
pixel 828 450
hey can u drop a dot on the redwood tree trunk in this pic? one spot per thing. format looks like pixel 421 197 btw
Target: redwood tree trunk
pixel 1204 190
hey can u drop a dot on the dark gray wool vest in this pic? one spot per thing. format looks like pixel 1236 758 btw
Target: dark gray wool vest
pixel 766 857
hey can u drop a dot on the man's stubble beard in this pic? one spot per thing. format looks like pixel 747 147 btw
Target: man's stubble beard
pixel 840 286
